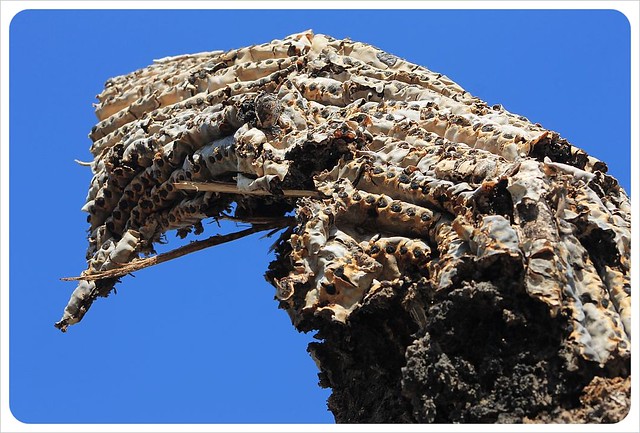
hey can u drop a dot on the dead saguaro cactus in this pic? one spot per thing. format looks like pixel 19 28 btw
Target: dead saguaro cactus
pixel 458 262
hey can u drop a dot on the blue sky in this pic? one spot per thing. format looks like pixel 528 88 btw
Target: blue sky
pixel 199 339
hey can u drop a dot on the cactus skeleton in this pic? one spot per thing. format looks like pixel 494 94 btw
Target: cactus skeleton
pixel 417 207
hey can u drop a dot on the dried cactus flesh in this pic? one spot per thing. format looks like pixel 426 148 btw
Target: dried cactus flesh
pixel 434 207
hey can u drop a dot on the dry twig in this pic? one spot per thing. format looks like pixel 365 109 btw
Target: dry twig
pixel 231 188
pixel 139 264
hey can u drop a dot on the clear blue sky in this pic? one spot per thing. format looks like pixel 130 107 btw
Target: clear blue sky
pixel 200 339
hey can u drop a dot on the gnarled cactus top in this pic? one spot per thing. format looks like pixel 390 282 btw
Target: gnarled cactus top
pixel 397 175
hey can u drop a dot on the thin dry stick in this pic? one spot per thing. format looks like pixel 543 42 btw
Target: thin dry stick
pixel 136 265
pixel 232 188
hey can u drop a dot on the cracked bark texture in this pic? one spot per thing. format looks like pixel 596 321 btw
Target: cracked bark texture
pixel 462 264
